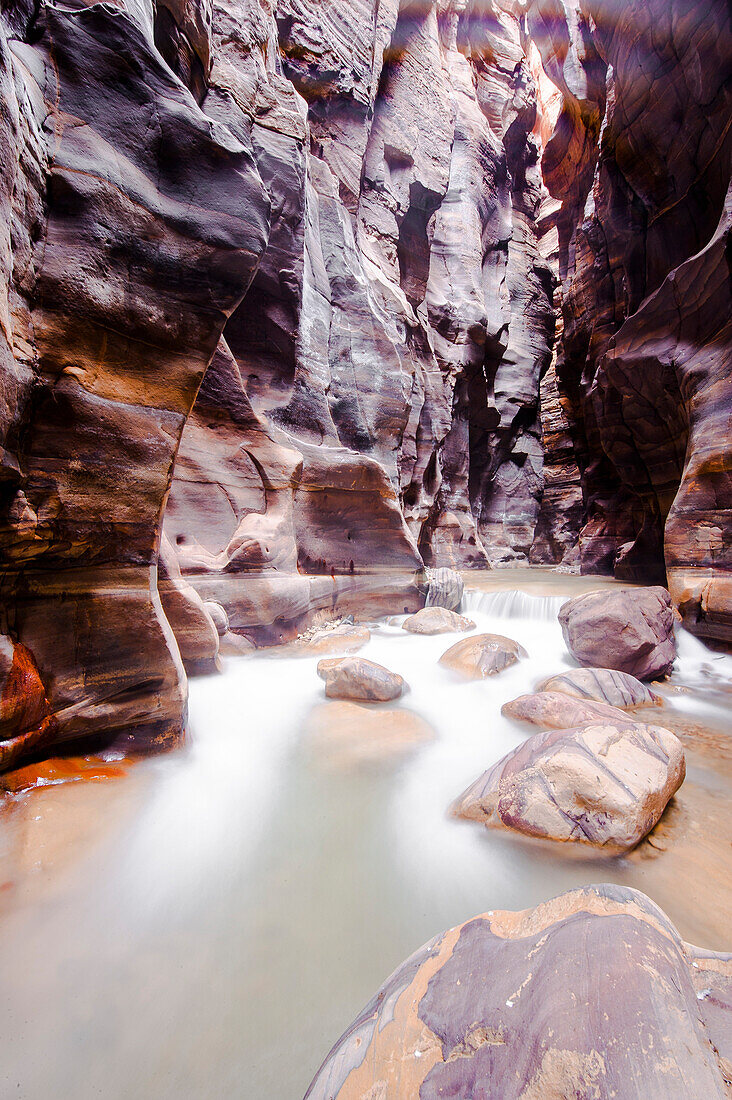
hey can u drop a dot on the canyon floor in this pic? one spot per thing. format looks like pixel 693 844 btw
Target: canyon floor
pixel 207 922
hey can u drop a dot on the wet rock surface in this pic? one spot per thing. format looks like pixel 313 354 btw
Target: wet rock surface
pixel 603 685
pixel 482 655
pixel 555 710
pixel 604 784
pixel 437 620
pixel 478 1011
pixel 631 630
pixel 357 679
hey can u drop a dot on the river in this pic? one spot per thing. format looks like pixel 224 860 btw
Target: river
pixel 206 923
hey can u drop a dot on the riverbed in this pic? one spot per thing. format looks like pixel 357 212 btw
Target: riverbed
pixel 205 924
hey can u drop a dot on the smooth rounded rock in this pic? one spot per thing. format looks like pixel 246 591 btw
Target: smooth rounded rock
pixel 482 655
pixel 604 784
pixel 554 710
pixel 437 620
pixel 342 639
pixel 628 629
pixel 603 685
pixel 358 679
pixel 592 995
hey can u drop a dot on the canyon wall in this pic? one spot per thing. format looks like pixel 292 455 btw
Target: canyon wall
pixel 284 277
pixel 640 160
pixel 374 404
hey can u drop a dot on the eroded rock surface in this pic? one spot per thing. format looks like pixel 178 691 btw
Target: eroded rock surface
pixel 482 655
pixel 604 784
pixel 555 710
pixel 479 1011
pixel 357 679
pixel 631 630
pixel 603 685
pixel 437 620
pixel 640 161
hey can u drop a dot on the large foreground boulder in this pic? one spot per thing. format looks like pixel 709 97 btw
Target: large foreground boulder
pixel 482 655
pixel 628 629
pixel 603 685
pixel 557 1002
pixel 554 710
pixel 605 784
pixel 358 679
pixel 437 620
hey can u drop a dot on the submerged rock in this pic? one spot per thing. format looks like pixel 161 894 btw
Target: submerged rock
pixel 445 589
pixel 554 710
pixel 437 620
pixel 482 655
pixel 349 735
pixel 554 1002
pixel 604 784
pixel 359 679
pixel 630 629
pixel 604 685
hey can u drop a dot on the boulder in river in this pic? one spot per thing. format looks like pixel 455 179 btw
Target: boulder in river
pixel 437 620
pixel 555 710
pixel 604 784
pixel 603 685
pixel 482 655
pixel 358 679
pixel 554 1002
pixel 343 639
pixel 444 588
pixel 628 629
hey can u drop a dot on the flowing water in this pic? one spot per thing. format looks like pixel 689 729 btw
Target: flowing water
pixel 214 936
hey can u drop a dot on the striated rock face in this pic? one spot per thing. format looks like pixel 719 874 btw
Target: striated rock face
pixel 478 1011
pixel 282 277
pixel 132 225
pixel 640 160
pixel 375 405
pixel 605 784
pixel 602 685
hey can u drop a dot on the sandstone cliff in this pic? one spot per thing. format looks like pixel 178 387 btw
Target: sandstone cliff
pixel 641 161
pixel 311 243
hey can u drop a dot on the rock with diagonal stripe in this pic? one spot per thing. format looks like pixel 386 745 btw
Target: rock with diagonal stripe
pixel 604 784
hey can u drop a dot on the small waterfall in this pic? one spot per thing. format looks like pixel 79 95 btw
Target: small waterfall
pixel 513 604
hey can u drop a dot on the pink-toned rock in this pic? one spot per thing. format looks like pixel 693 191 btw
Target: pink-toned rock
pixel 437 620
pixel 550 1003
pixel 341 639
pixel 482 655
pixel 554 710
pixel 603 685
pixel 628 629
pixel 604 784
pixel 360 680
